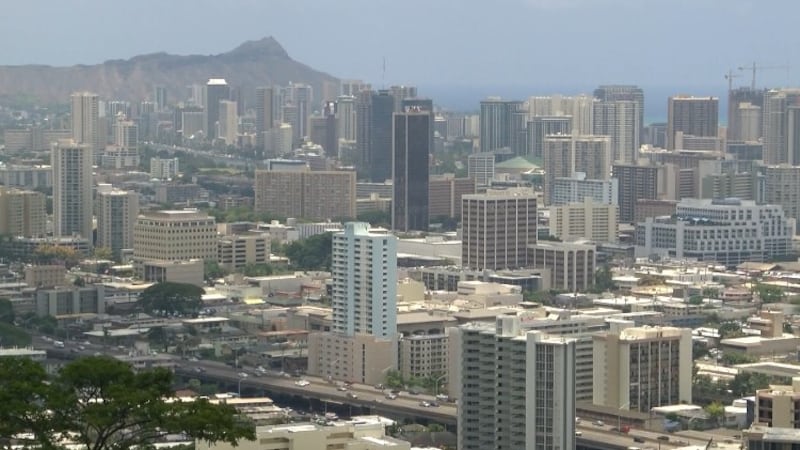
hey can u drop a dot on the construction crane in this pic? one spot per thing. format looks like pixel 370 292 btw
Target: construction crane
pixel 754 67
pixel 730 76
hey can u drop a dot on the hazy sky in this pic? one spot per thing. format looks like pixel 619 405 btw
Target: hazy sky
pixel 537 43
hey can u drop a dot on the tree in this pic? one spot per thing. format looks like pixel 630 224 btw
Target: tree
pixel 257 270
pixel 212 270
pixel 54 254
pixel 171 299
pixel 604 280
pixel 102 403
pixel 769 294
pixel 103 253
pixel 23 394
pixel 711 292
pixel 313 253
pixel 696 300
pixel 729 330
pixel 733 358
pixel 747 383
pixel 376 218
pixel 716 412
pixel 79 282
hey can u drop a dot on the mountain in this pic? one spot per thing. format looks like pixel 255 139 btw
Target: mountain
pixel 252 64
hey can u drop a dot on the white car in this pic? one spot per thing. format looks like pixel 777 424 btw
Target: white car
pixel 242 375
pixel 302 383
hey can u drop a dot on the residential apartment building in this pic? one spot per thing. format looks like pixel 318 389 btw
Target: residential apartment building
pixel 588 219
pixel 72 189
pixel 726 231
pixel 691 116
pixel 175 235
pixel 28 177
pixel 782 187
pixel 164 168
pixel 779 406
pixel 577 187
pixel 639 368
pixel 572 265
pixel 313 195
pixel 22 213
pixel 565 155
pixel 497 228
pixel 636 182
pixel 517 388
pixel 480 167
pixel 116 214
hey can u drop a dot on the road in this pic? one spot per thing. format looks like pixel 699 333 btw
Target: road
pixel 591 436
pixel 216 157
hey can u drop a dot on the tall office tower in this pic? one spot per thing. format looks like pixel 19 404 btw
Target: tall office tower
pixel 304 194
pixel 346 117
pixel 374 134
pixel 290 115
pixel 737 97
pixel 175 235
pixel 411 155
pixel 444 195
pixel 619 119
pixel 364 276
pixel 480 167
pixel 196 95
pixel 86 122
pixel 159 98
pixel 72 188
pixel 116 214
pixel 623 92
pixel 655 134
pixel 116 108
pixel 517 388
pixel 126 134
pixel 265 113
pixel 330 141
pixel 564 155
pixel 353 87
pixel 497 228
pixel 217 89
pixel 540 127
pixel 192 123
pixel 228 125
pixel 400 93
pixel 643 367
pixel 635 182
pixel 519 134
pixel 776 126
pixel 421 105
pixel 22 213
pixel 496 122
pixel 692 116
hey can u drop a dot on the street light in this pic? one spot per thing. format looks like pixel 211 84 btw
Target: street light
pixel 436 384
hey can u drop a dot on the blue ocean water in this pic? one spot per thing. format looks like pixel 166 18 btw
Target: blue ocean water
pixel 467 98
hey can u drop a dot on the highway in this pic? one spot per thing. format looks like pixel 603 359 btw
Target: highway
pixel 589 435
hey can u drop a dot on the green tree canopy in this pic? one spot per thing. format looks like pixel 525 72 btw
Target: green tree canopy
pixel 102 403
pixel 729 330
pixel 313 253
pixel 6 311
pixel 769 294
pixel 171 299
pixel 257 270
pixel 376 218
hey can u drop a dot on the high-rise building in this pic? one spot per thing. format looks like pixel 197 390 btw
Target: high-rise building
pixel 622 92
pixel 782 187
pixel 497 228
pixel 374 134
pixel 444 195
pixel 116 213
pixel 346 116
pixel 635 182
pixel 353 87
pixel 780 120
pixel 496 123
pixel 566 154
pixel 588 219
pixel 72 189
pixel 305 194
pixel 411 156
pixel 692 116
pixel 86 121
pixel 301 97
pixel 22 213
pixel 159 98
pixel 737 98
pixel 265 113
pixel 363 268
pixel 217 89
pixel 126 134
pixel 572 265
pixel 539 127
pixel 400 93
pixel 362 343
pixel 228 125
pixel 517 389
pixel 619 120
pixel 164 168
pixel 577 188
pixel 480 167
pixel 175 235
pixel 579 108
pixel 642 367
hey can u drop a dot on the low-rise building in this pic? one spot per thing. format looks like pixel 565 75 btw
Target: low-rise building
pixel 571 264
pixel 71 301
pixel 45 276
pixel 159 271
pixel 239 250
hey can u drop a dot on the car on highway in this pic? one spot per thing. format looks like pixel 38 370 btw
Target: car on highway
pixel 413 392
pixel 599 423
pixel 379 386
pixel 352 395
pixel 391 396
pixel 302 383
pixel 578 433
pixel 342 388
pixel 433 404
pixel 424 404
pixel 242 375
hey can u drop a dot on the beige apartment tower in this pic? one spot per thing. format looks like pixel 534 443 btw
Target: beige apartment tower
pixel 312 195
pixel 86 120
pixel 116 214
pixel 497 228
pixel 564 155
pixel 640 368
pixel 72 189
pixel 22 213
pixel 586 220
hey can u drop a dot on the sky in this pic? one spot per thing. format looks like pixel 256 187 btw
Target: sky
pixel 541 46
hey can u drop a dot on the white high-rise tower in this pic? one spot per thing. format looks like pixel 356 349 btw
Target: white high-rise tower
pixel 72 188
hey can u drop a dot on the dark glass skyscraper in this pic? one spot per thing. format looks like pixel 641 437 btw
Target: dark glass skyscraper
pixel 216 89
pixel 411 152
pixel 379 133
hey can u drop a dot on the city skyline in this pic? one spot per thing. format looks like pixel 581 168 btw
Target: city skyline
pixel 624 52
